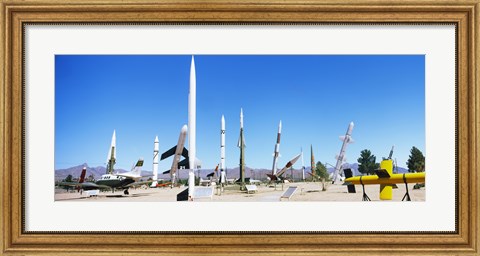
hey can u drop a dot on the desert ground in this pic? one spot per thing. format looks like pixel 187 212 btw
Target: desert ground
pixel 306 191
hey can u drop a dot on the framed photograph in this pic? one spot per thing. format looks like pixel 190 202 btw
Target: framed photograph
pixel 230 128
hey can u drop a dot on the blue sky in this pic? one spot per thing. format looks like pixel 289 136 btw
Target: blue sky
pixel 315 96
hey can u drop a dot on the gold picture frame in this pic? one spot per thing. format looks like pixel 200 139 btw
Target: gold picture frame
pixel 464 14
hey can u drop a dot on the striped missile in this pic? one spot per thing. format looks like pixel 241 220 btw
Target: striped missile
pixel 222 150
pixel 155 162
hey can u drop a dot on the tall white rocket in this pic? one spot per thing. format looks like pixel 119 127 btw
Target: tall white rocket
pixel 222 150
pixel 276 152
pixel 192 113
pixel 155 162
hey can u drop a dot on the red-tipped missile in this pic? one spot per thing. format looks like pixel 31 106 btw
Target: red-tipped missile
pixel 281 172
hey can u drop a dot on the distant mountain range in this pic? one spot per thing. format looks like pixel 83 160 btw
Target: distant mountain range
pixel 259 174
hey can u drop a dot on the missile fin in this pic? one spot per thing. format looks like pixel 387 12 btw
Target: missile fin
pixel 382 173
pixel 168 153
pixel 184 163
pixel 185 152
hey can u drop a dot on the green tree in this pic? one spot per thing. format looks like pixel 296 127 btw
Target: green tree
pixel 321 171
pixel 416 161
pixel 367 162
pixel 68 178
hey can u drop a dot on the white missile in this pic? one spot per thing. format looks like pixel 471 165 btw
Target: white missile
pixel 277 149
pixel 222 150
pixel 241 118
pixel 347 139
pixel 155 162
pixel 192 113
pixel 112 154
pixel 178 153
pixel 303 165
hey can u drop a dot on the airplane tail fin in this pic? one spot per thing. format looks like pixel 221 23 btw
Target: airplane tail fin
pixel 137 169
pixel 82 176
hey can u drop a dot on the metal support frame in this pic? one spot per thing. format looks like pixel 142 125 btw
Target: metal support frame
pixel 365 197
pixel 407 195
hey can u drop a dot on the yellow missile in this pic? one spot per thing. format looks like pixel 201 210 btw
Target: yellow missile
pixel 418 177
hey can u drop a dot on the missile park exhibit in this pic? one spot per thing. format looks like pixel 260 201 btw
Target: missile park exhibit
pixel 202 128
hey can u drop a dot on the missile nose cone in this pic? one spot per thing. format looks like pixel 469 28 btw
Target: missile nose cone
pixel 351 124
pixel 241 118
pixel 184 128
pixel 114 138
pixel 223 119
pixel 156 139
pixel 297 157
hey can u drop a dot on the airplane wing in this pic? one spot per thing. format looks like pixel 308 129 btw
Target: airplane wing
pixel 84 185
pixel 138 183
pixel 70 184
pixel 130 175
pixel 104 187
